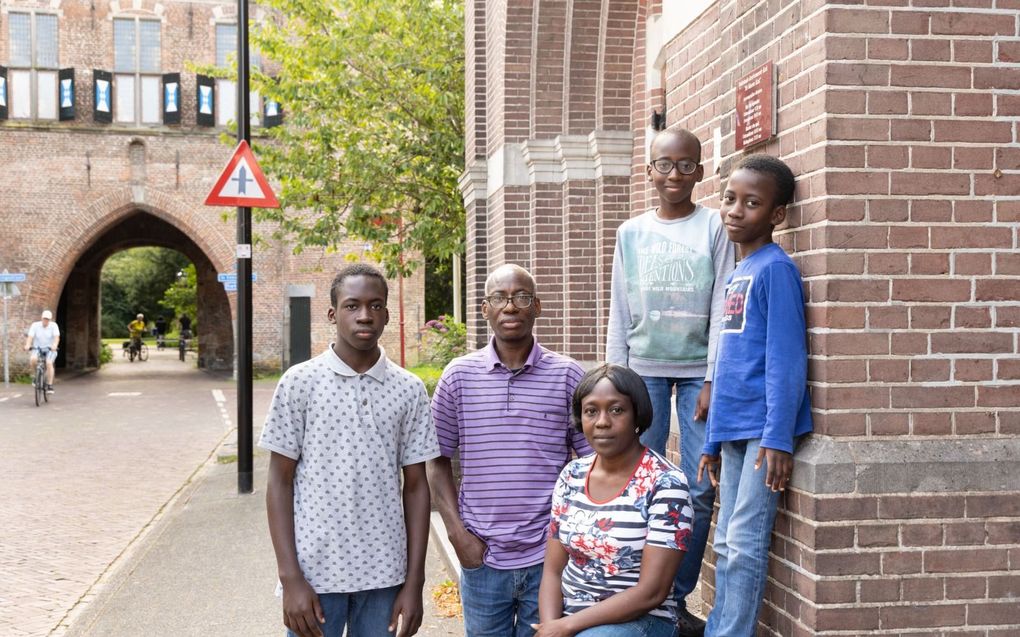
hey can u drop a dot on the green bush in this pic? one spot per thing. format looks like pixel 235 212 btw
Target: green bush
pixel 429 374
pixel 105 354
pixel 443 339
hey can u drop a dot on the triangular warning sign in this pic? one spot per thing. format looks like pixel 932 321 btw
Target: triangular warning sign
pixel 242 183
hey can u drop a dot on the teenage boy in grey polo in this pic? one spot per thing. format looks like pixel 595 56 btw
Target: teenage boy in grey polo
pixel 342 429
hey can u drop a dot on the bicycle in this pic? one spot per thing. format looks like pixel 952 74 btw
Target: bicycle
pixel 39 379
pixel 138 348
pixel 182 343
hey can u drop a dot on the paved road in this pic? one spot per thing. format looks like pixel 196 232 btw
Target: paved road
pixel 109 492
pixel 86 474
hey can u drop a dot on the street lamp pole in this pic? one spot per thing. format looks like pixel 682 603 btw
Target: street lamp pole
pixel 244 286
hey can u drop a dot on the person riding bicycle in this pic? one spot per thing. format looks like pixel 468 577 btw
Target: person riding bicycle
pixel 136 329
pixel 160 330
pixel 44 334
pixel 185 323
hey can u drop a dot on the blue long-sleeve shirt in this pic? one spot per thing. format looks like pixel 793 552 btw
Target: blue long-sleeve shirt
pixel 760 383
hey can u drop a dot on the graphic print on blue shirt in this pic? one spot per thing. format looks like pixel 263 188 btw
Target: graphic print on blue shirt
pixel 735 307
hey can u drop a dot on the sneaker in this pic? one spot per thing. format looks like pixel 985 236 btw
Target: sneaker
pixel 49 389
pixel 688 624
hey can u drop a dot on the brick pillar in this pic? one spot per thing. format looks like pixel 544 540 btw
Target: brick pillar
pixel 900 123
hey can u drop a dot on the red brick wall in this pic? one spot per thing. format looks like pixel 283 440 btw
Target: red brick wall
pixel 897 119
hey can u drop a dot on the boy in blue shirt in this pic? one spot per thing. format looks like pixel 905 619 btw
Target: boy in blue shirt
pixel 760 403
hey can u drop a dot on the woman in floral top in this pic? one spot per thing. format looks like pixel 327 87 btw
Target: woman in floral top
pixel 621 519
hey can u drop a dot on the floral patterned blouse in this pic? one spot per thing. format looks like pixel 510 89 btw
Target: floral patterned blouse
pixel 605 540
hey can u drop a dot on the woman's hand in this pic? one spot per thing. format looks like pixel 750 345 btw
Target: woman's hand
pixel 555 628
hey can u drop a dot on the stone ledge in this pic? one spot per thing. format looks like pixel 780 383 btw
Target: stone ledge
pixel 824 465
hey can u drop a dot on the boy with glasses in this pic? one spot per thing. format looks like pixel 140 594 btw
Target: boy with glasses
pixel 506 409
pixel 669 275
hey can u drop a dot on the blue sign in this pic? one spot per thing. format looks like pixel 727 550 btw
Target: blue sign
pixel 230 286
pixel 224 277
pixel 12 277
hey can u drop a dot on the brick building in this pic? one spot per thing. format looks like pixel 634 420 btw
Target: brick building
pixel 901 119
pixel 103 147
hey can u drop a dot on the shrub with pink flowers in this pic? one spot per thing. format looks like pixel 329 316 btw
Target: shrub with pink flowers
pixel 443 339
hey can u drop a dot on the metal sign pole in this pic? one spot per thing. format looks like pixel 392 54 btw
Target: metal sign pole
pixel 244 287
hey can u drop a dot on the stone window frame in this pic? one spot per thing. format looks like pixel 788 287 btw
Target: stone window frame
pixel 33 68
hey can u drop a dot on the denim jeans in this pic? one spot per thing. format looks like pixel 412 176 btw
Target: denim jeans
pixel 364 614
pixel 500 603
pixel 743 533
pixel 692 440
pixel 647 626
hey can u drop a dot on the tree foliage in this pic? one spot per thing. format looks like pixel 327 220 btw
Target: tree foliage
pixel 134 281
pixel 182 298
pixel 372 142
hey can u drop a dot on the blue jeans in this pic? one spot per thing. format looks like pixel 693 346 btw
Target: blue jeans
pixel 364 614
pixel 500 603
pixel 647 626
pixel 743 533
pixel 692 440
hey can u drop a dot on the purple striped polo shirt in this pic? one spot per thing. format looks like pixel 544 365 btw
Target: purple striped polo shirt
pixel 514 435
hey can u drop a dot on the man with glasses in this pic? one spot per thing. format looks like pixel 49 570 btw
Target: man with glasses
pixel 506 409
pixel 669 277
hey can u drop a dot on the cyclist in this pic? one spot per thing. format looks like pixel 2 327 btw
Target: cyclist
pixel 44 334
pixel 160 331
pixel 136 329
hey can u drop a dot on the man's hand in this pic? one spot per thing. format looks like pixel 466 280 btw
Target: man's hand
pixel 470 549
pixel 701 405
pixel 408 608
pixel 302 612
pixel 709 465
pixel 778 465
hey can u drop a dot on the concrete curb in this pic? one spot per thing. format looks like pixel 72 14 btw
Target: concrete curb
pixel 443 544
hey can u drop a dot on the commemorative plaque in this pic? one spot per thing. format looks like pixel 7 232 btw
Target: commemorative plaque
pixel 756 106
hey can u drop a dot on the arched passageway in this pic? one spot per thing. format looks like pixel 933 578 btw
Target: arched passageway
pixel 78 312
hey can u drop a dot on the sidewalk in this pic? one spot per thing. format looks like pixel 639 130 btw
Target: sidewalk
pixel 208 569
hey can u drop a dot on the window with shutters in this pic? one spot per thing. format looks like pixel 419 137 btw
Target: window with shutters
pixel 226 90
pixel 32 78
pixel 137 65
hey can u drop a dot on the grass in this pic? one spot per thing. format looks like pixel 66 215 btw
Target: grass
pixel 429 374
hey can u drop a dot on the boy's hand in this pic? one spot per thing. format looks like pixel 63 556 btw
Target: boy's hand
pixel 709 465
pixel 701 405
pixel 302 612
pixel 779 467
pixel 470 549
pixel 408 608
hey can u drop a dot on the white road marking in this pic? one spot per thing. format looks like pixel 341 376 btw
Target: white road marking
pixel 218 396
pixel 125 393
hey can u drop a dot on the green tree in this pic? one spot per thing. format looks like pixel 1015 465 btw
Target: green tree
pixel 372 142
pixel 134 281
pixel 182 297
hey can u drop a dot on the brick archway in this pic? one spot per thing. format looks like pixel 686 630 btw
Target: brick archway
pixel 119 220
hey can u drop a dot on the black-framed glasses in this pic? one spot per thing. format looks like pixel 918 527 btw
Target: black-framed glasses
pixel 520 301
pixel 683 166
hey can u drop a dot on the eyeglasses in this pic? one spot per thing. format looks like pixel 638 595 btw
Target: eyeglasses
pixel 683 166
pixel 499 301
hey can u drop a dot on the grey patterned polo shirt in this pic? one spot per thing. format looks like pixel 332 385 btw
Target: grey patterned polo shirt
pixel 351 434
